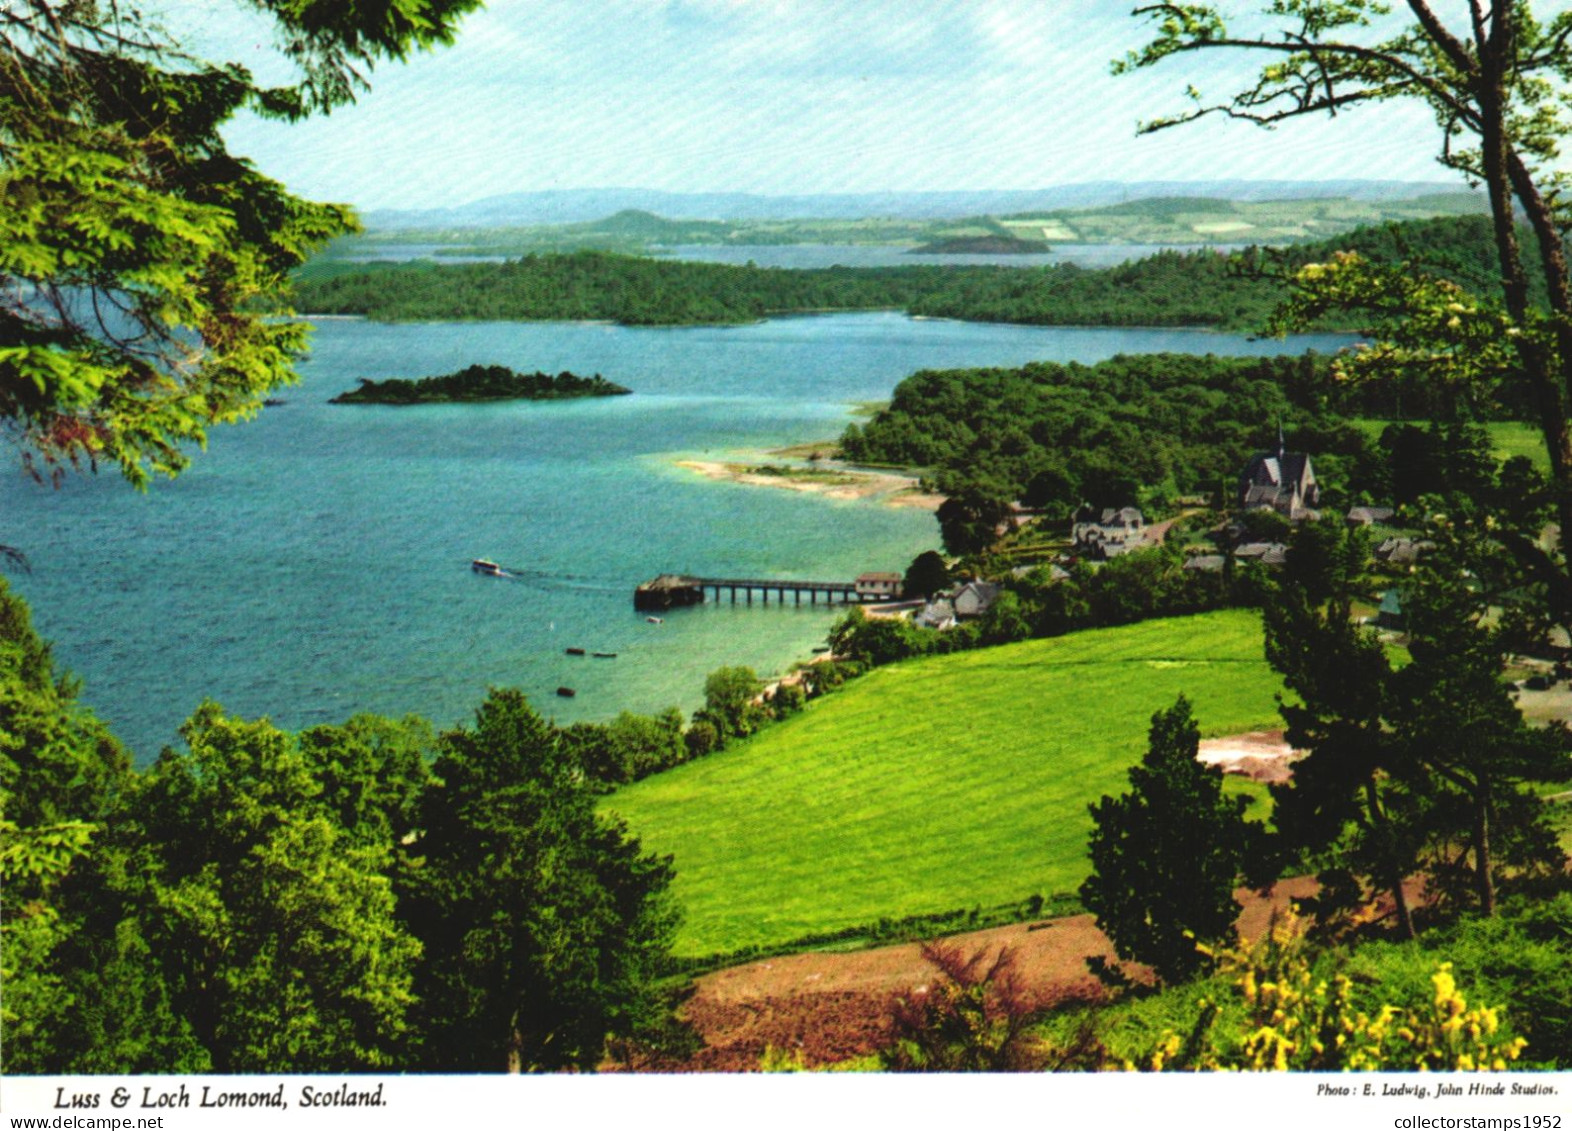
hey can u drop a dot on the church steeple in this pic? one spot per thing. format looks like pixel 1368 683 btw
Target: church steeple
pixel 1282 445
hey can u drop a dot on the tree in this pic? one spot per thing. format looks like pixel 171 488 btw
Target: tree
pixel 1353 794
pixel 143 267
pixel 1166 855
pixel 1496 79
pixel 927 574
pixel 544 923
pixel 273 928
pixel 1454 714
pixel 61 775
pixel 731 702
pixel 969 519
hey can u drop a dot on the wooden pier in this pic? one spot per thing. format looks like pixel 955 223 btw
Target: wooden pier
pixel 671 590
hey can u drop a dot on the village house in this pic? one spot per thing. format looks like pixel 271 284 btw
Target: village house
pixel 1282 481
pixel 937 614
pixel 1205 563
pixel 878 586
pixel 1369 516
pixel 974 599
pixel 1267 553
pixel 1115 532
pixel 1402 551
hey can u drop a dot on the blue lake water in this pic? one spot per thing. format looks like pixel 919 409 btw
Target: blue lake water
pixel 315 562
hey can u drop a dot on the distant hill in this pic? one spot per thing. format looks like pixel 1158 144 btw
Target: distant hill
pixel 567 206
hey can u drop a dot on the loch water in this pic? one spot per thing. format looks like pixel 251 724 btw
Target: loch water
pixel 314 563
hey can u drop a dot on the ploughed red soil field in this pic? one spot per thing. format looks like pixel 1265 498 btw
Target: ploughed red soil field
pixel 831 1007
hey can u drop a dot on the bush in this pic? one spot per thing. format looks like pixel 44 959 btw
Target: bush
pixel 1299 1019
pixel 974 1017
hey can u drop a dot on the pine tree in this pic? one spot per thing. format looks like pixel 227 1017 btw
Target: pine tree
pixel 1167 854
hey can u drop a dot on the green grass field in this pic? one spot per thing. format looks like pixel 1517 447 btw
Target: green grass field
pixel 938 784
pixel 1509 438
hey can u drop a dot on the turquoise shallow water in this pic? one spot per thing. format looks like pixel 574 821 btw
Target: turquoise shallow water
pixel 314 562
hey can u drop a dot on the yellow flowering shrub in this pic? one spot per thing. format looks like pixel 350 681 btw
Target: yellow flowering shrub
pixel 1298 1020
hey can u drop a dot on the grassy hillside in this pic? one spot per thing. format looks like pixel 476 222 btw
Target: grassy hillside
pixel 1510 437
pixel 952 782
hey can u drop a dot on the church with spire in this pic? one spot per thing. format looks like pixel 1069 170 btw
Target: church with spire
pixel 1282 481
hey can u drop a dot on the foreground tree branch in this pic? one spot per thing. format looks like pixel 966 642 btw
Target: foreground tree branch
pixel 143 267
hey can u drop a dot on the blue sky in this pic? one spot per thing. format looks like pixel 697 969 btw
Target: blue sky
pixel 788 96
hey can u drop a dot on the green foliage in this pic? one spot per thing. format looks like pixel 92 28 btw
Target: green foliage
pixel 1495 80
pixel 1167 855
pixel 1345 792
pixel 481 383
pixel 993 754
pixel 1522 957
pixel 973 1016
pixel 1172 288
pixel 927 574
pixel 144 267
pixel 1060 435
pixel 1454 716
pixel 61 774
pixel 1297 1018
pixel 732 703
pixel 875 641
pixel 1426 764
pixel 629 747
pixel 595 285
pixel 970 516
pixel 274 930
pixel 372 772
pixel 543 923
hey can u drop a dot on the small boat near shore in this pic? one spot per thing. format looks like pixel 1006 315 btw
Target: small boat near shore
pixel 655 620
pixel 605 655
pixel 566 692
pixel 575 651
pixel 487 567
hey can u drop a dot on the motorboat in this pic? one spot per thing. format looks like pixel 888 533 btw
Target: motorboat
pixel 487 567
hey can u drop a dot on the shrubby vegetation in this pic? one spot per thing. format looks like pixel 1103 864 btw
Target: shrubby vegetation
pixel 597 285
pixel 1284 1003
pixel 480 383
pixel 1279 1004
pixel 1057 436
pixel 353 898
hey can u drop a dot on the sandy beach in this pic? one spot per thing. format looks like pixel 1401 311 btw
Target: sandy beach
pixel 832 480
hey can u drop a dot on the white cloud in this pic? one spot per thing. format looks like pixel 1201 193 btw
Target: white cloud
pixel 794 96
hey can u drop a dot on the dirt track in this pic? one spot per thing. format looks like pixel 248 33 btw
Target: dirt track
pixel 832 1006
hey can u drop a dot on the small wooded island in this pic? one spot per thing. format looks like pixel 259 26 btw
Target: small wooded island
pixel 982 245
pixel 480 383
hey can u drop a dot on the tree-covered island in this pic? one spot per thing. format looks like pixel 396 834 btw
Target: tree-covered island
pixel 982 245
pixel 481 383
pixel 1204 288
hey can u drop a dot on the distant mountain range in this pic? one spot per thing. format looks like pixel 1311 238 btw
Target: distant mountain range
pixel 567 206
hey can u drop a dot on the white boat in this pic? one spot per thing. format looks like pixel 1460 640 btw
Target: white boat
pixel 487 567
pixel 655 620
